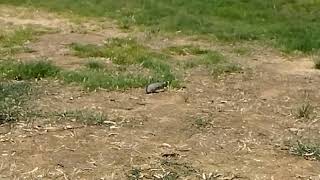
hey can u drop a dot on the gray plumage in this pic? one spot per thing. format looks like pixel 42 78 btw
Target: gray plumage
pixel 154 87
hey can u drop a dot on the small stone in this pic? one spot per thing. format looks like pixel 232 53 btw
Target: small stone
pixel 165 145
pixel 293 129
pixel 133 97
pixel 199 90
pixel 114 127
pixel 109 122
pixel 145 167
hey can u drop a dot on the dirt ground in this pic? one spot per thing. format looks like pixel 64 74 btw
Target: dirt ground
pixel 237 126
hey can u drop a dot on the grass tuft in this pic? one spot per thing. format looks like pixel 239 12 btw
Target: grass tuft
pixel 305 110
pixel 186 50
pixel 87 117
pixel 12 97
pixel 134 174
pixel 241 51
pixel 37 69
pixel 215 62
pixel 124 52
pixel 94 64
pixel 161 70
pixel 211 58
pixel 201 123
pixel 90 78
pixel 291 25
pixel 14 41
pixel 119 51
pixel 309 151
pixel 87 50
pixel 103 79
pixel 226 67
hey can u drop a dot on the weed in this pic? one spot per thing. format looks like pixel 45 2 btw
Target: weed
pixel 12 97
pixel 201 123
pixel 11 69
pixel 170 176
pixel 126 22
pixel 305 110
pixel 306 150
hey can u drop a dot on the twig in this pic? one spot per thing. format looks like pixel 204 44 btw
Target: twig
pixel 64 174
pixel 32 171
pixel 53 129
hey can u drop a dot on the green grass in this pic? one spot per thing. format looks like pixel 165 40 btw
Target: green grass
pixel 211 58
pixel 12 42
pixel 161 71
pixel 94 64
pixel 94 77
pixel 289 25
pixel 306 150
pixel 12 98
pixel 104 79
pixel 89 78
pixel 201 123
pixel 125 52
pixel 10 69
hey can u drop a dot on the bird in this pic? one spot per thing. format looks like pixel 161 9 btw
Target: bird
pixel 154 87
